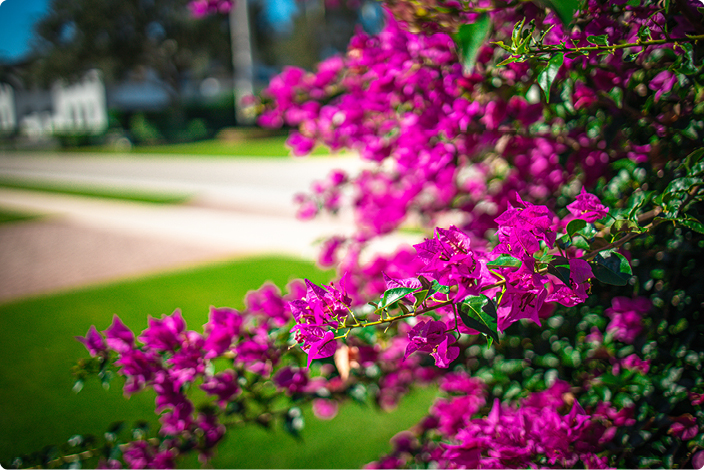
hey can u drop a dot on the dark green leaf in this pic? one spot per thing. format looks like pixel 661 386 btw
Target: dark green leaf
pixel 682 185
pixel 439 288
pixel 602 40
pixel 505 261
pixel 470 37
pixel 692 223
pixel 420 297
pixel 516 34
pixel 637 201
pixel 560 268
pixel 612 268
pixel 424 282
pixel 564 241
pixel 565 9
pixel 548 74
pixel 479 313
pixel 632 57
pixel 393 295
pixel 694 163
pixel 502 45
pixel 575 226
pixel 510 60
pixel 598 243
pixel 623 226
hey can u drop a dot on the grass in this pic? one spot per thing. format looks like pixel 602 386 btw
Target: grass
pixel 93 191
pixel 39 407
pixel 7 216
pixel 260 147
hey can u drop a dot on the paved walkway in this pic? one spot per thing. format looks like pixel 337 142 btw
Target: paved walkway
pixel 238 207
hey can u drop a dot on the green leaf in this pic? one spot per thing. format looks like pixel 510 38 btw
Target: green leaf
pixel 601 40
pixel 548 74
pixel 560 268
pixel 510 60
pixel 564 241
pixel 441 288
pixel 598 243
pixel 612 268
pixel 469 39
pixel 637 201
pixel 420 297
pixel 505 261
pixel 682 185
pixel 694 163
pixel 502 45
pixel 516 34
pixel 391 296
pixel 565 9
pixel 575 226
pixel 623 226
pixel 479 313
pixel 686 63
pixel 692 223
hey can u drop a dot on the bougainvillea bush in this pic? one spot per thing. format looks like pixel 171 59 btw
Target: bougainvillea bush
pixel 551 153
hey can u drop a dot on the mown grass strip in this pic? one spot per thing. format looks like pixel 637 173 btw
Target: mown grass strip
pixel 8 216
pixel 93 191
pixel 274 147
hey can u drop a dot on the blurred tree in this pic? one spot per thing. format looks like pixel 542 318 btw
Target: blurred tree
pixel 123 36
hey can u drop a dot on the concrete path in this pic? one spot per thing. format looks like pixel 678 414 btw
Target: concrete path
pixel 238 207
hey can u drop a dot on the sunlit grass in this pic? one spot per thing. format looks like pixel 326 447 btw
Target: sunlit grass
pixel 39 349
pixel 92 191
pixel 259 147
pixel 7 216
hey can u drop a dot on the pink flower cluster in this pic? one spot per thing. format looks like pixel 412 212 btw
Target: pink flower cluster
pixel 545 429
pixel 171 358
pixel 448 259
pixel 626 317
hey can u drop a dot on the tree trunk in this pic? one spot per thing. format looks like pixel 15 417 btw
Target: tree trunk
pixel 241 59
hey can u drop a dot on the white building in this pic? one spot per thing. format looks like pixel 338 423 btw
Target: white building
pixel 8 118
pixel 80 107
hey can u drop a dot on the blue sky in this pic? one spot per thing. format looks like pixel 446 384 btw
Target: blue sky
pixel 17 18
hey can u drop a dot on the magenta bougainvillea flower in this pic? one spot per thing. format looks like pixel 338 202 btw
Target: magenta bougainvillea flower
pixel 164 334
pixel 587 207
pixel 434 338
pixel 93 341
pixel 450 260
pixel 626 317
pixel 684 427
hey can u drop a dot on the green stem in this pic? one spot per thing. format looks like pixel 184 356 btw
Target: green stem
pixel 653 42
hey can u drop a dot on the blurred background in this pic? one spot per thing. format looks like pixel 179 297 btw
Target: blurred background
pixel 133 183
pixel 154 71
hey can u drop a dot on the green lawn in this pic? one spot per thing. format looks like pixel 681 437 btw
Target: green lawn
pixel 7 215
pixel 38 351
pixel 260 147
pixel 93 191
